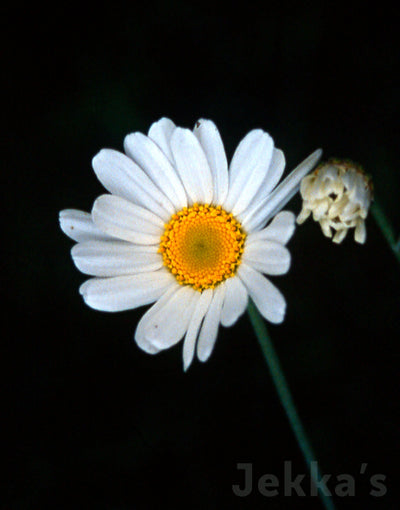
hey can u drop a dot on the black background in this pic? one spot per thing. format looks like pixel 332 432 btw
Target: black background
pixel 89 420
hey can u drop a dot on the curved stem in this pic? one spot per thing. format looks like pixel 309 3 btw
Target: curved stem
pixel 386 228
pixel 286 398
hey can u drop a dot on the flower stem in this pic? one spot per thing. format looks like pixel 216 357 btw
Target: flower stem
pixel 386 227
pixel 285 396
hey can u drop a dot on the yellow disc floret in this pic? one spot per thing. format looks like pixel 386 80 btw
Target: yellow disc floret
pixel 202 246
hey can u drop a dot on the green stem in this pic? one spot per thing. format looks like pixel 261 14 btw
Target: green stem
pixel 285 396
pixel 386 227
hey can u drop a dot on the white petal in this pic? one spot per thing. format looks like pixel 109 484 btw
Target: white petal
pixel 122 177
pixel 279 230
pixel 164 326
pixel 124 220
pixel 281 195
pixel 192 166
pixel 161 132
pixel 321 208
pixel 209 329
pixel 126 292
pixel 360 232
pixel 340 235
pixel 193 330
pixel 235 301
pixel 326 227
pixel 139 337
pixel 115 258
pixel 267 298
pixel 210 140
pixel 271 179
pixel 79 226
pixel 304 214
pixel 275 171
pixel 148 155
pixel 248 170
pixel 267 257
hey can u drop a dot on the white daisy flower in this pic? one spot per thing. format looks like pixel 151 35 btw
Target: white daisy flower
pixel 180 230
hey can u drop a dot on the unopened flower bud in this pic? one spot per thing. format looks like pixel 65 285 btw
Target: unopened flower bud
pixel 338 195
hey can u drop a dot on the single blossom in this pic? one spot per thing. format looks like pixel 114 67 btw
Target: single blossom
pixel 181 230
pixel 338 195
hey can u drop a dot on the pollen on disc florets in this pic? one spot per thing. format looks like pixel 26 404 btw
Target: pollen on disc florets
pixel 202 246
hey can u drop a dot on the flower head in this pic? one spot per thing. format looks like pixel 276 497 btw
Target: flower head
pixel 181 230
pixel 338 195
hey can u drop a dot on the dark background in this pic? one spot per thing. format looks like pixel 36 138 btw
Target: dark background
pixel 89 420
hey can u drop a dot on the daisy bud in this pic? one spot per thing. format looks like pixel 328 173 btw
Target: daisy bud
pixel 338 194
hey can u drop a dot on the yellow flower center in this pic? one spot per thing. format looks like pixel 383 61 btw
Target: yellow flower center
pixel 202 246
